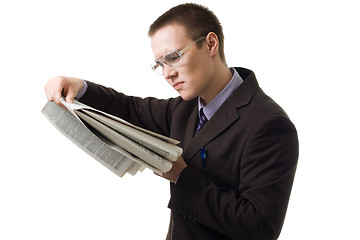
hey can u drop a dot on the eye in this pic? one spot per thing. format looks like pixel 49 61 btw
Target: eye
pixel 172 57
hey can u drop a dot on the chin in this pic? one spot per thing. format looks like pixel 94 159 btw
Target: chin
pixel 187 97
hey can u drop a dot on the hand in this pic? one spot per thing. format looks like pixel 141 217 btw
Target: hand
pixel 66 86
pixel 177 167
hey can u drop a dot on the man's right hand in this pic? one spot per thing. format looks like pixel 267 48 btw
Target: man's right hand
pixel 62 86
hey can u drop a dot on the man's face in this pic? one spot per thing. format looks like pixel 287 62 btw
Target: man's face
pixel 191 76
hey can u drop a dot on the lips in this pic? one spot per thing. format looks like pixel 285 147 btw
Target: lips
pixel 178 85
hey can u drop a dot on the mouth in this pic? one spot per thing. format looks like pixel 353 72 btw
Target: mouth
pixel 178 85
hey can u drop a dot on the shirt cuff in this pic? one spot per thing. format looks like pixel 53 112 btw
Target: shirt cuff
pixel 82 91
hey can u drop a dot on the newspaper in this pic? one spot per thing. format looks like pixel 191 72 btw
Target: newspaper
pixel 115 143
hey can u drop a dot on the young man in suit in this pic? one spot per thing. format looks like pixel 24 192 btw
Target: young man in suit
pixel 234 178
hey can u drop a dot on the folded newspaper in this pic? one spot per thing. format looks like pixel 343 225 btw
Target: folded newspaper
pixel 118 145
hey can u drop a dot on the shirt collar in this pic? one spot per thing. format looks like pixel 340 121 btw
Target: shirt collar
pixel 215 104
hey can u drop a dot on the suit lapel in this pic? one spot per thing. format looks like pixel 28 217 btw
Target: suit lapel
pixel 226 115
pixel 222 119
pixel 190 127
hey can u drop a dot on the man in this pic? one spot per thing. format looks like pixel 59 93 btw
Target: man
pixel 234 178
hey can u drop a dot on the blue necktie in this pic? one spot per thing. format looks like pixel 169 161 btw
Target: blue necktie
pixel 202 120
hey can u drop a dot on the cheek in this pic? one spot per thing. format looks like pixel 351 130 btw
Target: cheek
pixel 196 69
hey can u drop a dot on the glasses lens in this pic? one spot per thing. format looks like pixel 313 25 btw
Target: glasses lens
pixel 172 57
pixel 157 67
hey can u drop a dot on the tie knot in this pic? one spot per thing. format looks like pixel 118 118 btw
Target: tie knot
pixel 202 119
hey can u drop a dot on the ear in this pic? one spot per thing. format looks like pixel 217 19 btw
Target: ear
pixel 212 43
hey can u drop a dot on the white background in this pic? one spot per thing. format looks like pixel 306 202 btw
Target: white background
pixel 305 55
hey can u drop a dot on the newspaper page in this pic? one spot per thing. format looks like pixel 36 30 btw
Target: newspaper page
pixel 160 147
pixel 118 161
pixel 129 145
pixel 139 165
pixel 72 107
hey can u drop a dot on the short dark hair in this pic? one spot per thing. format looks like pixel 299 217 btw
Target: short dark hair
pixel 197 20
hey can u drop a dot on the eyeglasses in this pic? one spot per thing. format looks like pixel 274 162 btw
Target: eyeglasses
pixel 172 58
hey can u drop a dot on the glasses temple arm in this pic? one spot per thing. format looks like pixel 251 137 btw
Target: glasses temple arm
pixel 182 51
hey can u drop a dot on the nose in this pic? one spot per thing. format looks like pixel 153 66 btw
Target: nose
pixel 168 72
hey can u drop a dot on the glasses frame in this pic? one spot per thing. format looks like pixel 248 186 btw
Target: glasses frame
pixel 160 62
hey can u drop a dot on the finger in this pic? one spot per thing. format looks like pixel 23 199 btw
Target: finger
pixel 46 90
pixel 70 95
pixel 47 96
pixel 46 93
pixel 57 97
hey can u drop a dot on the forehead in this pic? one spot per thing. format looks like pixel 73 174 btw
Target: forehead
pixel 168 38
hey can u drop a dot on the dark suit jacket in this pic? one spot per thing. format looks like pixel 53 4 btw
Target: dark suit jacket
pixel 252 151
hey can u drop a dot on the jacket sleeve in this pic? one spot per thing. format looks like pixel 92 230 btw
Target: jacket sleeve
pixel 256 209
pixel 150 113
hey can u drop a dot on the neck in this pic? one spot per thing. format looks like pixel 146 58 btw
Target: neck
pixel 221 77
